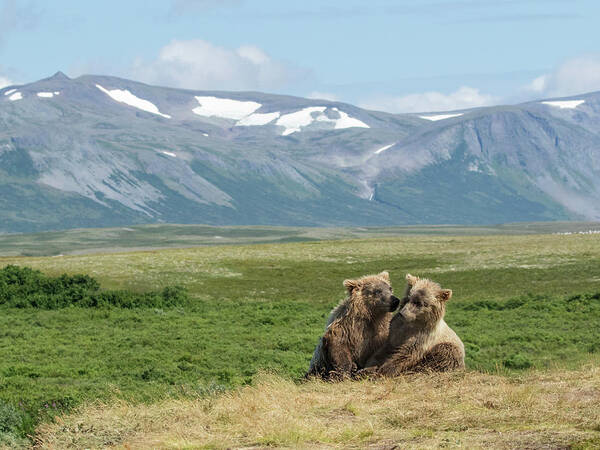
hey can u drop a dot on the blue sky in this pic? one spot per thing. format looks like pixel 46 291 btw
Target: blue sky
pixel 399 56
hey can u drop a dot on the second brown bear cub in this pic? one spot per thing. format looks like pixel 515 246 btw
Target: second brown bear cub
pixel 357 327
pixel 419 338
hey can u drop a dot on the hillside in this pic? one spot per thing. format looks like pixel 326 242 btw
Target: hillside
pixel 100 151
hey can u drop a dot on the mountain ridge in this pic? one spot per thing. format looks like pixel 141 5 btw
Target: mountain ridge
pixel 105 151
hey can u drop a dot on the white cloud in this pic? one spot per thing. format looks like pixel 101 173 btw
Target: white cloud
pixel 198 64
pixel 317 95
pixel 574 76
pixel 462 98
pixel 4 82
pixel 253 54
pixel 538 85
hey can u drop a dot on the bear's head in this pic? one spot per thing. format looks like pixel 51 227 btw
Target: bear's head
pixel 373 293
pixel 424 301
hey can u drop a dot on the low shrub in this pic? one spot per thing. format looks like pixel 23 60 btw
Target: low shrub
pixel 10 419
pixel 23 287
pixel 11 424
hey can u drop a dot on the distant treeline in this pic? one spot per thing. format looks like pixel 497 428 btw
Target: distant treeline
pixel 23 287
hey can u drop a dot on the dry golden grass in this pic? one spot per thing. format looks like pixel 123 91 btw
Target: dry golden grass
pixel 466 409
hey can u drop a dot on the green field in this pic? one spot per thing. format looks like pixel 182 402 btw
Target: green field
pixel 520 302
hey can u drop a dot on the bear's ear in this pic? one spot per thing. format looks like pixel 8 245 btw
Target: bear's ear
pixel 411 279
pixel 351 285
pixel 385 275
pixel 444 295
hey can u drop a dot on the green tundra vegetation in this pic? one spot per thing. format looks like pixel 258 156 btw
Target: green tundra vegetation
pixel 164 325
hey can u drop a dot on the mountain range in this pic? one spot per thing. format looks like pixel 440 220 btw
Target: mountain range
pixel 98 151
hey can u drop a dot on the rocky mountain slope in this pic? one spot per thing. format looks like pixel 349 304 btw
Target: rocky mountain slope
pixel 102 151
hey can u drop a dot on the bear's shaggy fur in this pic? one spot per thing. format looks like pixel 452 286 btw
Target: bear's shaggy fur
pixel 356 328
pixel 419 338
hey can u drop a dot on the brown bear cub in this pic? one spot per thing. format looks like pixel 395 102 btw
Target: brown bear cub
pixel 419 338
pixel 356 328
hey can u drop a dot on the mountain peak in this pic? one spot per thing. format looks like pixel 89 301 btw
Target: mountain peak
pixel 59 76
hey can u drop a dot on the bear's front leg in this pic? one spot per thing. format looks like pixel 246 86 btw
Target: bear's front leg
pixel 401 361
pixel 339 357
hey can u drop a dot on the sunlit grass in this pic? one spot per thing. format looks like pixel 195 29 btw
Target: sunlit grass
pixel 470 410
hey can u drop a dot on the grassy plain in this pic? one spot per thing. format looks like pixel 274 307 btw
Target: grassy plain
pixel 148 237
pixel 521 303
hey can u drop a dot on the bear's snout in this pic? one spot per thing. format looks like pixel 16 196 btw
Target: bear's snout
pixel 395 303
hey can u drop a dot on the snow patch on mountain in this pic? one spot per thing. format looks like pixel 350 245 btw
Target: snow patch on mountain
pixel 124 96
pixel 16 96
pixel 345 121
pixel 383 149
pixel 47 94
pixel 437 117
pixel 245 114
pixel 258 119
pixel 10 91
pixel 169 154
pixel 293 121
pixel 564 104
pixel 224 107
